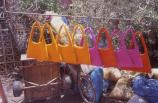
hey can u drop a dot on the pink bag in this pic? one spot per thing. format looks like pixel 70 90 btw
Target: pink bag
pixel 122 56
pixel 133 52
pixel 94 53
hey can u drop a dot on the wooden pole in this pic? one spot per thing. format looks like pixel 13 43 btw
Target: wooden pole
pixel 2 93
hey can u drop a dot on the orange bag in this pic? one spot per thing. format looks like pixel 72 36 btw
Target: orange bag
pixel 67 51
pixel 52 48
pixel 82 52
pixel 107 54
pixel 144 56
pixel 36 50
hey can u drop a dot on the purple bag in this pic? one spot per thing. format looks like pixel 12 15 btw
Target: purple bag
pixel 94 53
pixel 123 59
pixel 133 52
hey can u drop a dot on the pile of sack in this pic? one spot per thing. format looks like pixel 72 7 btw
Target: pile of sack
pixel 131 87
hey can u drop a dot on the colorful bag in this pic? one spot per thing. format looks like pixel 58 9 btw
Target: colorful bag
pixel 94 53
pixel 122 56
pixel 36 50
pixel 82 52
pixel 133 52
pixel 107 54
pixel 67 51
pixel 52 48
pixel 144 57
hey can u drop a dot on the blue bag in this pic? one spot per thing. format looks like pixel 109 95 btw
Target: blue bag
pixel 98 82
pixel 147 88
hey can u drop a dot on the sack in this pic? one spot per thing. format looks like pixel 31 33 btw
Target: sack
pixel 122 89
pixel 107 54
pixel 94 53
pixel 36 49
pixel 137 99
pixel 66 50
pixel 147 88
pixel 133 50
pixel 112 73
pixel 154 73
pixel 51 44
pixel 144 56
pixel 82 52
pixel 121 52
pixel 97 81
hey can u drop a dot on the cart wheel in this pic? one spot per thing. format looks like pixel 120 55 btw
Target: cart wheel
pixel 87 90
pixel 17 88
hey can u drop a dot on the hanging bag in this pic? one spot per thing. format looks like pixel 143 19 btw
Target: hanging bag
pixel 66 50
pixel 94 53
pixel 144 56
pixel 82 52
pixel 37 49
pixel 121 52
pixel 51 44
pixel 107 54
pixel 133 50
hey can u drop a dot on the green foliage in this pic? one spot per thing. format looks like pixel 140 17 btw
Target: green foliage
pixel 40 5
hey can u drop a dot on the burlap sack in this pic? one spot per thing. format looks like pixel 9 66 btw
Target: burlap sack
pixel 154 73
pixel 112 74
pixel 122 89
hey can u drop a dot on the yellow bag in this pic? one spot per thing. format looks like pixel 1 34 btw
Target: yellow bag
pixel 66 50
pixel 82 52
pixel 51 45
pixel 37 49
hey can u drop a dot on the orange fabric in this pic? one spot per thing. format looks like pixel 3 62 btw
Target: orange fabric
pixel 52 48
pixel 82 53
pixel 145 58
pixel 67 50
pixel 107 54
pixel 36 50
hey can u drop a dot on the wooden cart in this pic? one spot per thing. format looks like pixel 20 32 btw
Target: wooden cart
pixel 44 80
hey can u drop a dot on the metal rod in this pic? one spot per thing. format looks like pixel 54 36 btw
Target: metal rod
pixel 4 29
pixel 94 17
pixel 4 4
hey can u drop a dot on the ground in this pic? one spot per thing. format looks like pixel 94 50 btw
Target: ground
pixel 69 97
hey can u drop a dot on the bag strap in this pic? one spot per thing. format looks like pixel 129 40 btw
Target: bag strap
pixel 81 28
pixel 128 30
pixel 89 29
pixel 104 30
pixel 48 26
pixel 67 33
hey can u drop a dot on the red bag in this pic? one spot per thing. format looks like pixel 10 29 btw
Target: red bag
pixel 144 57
pixel 107 54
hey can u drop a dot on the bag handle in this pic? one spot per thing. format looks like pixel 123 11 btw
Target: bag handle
pixel 48 26
pixel 89 29
pixel 128 30
pixel 36 24
pixel 67 33
pixel 142 41
pixel 81 28
pixel 104 30
pixel 117 32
